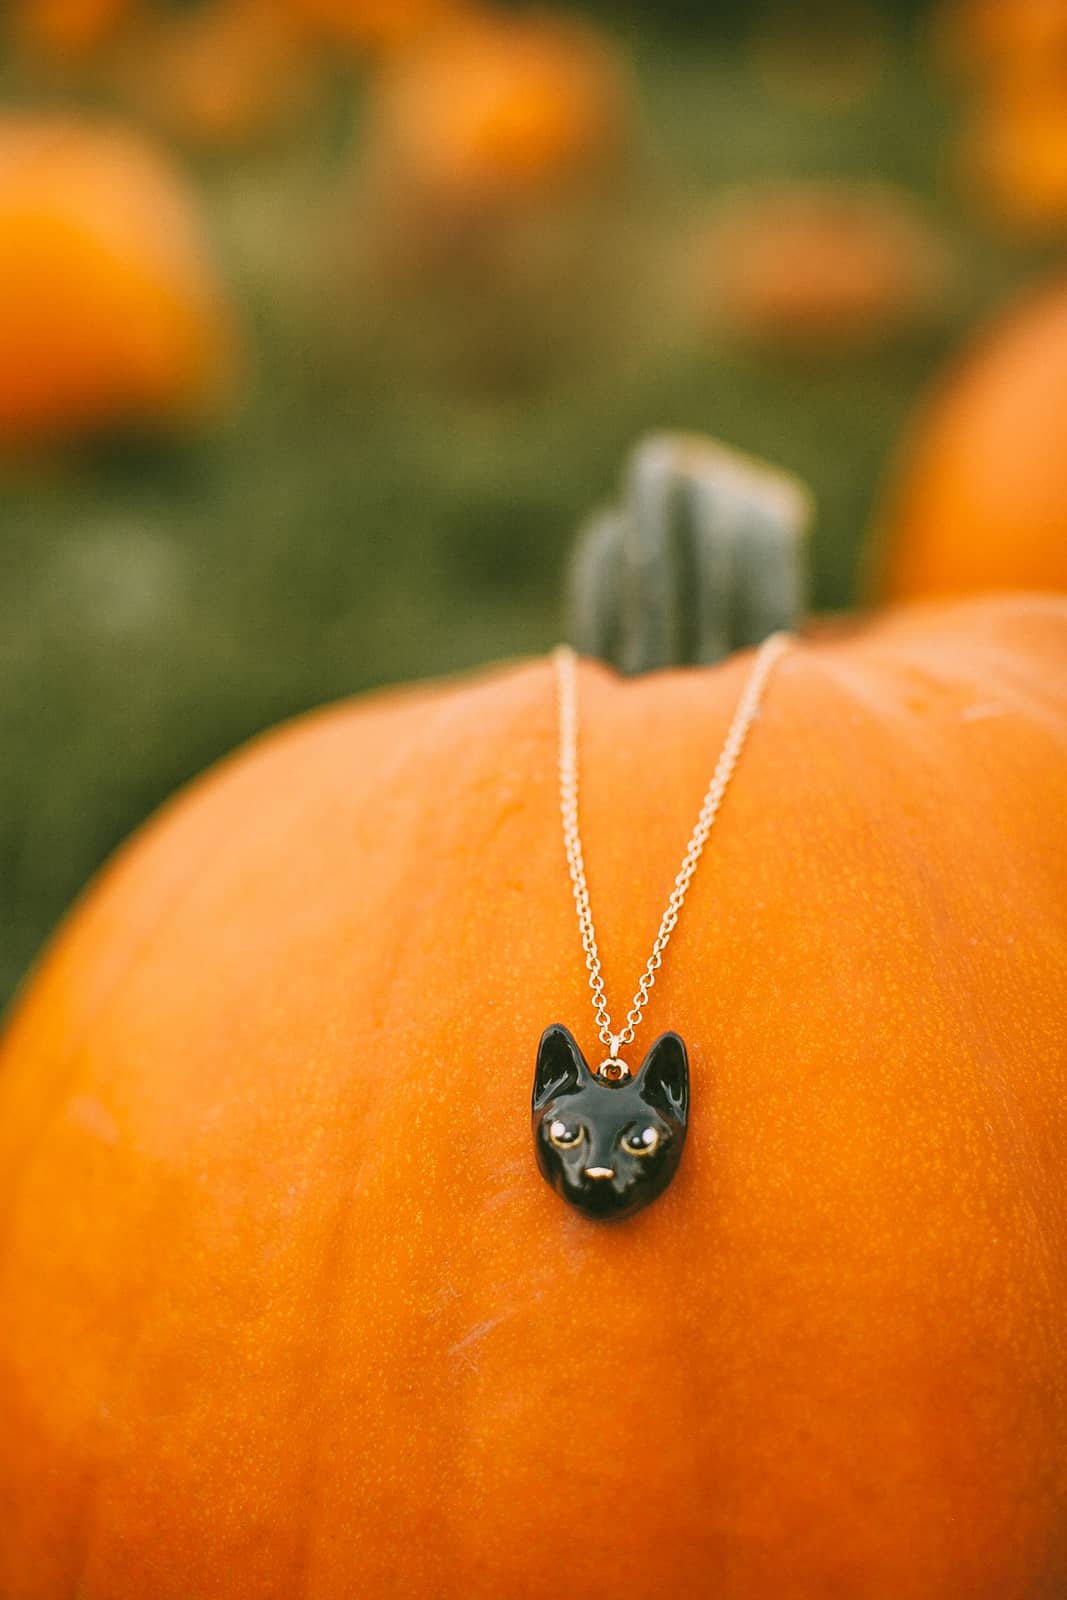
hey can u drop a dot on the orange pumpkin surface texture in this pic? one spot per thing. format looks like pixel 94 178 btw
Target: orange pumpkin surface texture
pixel 110 307
pixel 980 498
pixel 285 1308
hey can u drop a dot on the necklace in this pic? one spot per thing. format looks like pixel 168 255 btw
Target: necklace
pixel 610 1141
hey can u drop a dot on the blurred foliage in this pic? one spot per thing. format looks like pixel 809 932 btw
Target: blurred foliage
pixel 380 509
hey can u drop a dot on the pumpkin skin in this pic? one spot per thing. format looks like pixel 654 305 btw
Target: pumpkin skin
pixel 285 1306
pixel 111 310
pixel 979 500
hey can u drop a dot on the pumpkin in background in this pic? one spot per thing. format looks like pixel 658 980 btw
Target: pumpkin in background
pixel 494 106
pixel 66 28
pixel 223 73
pixel 979 500
pixel 993 39
pixel 1013 157
pixel 285 1306
pixel 111 311
pixel 818 268
pixel 488 225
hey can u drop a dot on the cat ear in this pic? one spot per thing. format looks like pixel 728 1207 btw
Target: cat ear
pixel 664 1077
pixel 560 1065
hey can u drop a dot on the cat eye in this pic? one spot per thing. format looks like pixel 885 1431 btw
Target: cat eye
pixel 564 1137
pixel 642 1142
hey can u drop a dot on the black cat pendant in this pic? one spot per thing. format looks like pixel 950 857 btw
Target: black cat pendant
pixel 609 1142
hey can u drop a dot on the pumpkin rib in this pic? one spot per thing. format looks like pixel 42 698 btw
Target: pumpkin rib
pixel 110 989
pixel 214 848
pixel 447 719
pixel 435 727
pixel 1038 700
pixel 126 859
pixel 441 714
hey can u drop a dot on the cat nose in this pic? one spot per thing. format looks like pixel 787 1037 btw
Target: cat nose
pixel 600 1172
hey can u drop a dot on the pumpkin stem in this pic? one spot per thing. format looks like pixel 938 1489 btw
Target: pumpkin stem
pixel 703 554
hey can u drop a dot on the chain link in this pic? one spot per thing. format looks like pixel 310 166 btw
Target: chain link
pixel 748 706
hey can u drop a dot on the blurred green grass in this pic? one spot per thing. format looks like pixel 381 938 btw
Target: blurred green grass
pixel 362 522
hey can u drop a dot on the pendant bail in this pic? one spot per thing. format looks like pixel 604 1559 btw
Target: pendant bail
pixel 613 1070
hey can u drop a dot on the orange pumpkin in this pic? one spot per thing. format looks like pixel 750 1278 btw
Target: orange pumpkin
pixel 110 307
pixel 285 1306
pixel 994 37
pixel 1013 157
pixel 497 105
pixel 980 498
pixel 819 267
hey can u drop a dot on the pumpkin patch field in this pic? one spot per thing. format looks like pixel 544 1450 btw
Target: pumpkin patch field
pixel 533 766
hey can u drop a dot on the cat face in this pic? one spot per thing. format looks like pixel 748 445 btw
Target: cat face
pixel 609 1148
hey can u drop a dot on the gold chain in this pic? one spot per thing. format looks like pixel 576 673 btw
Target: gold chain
pixel 768 654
